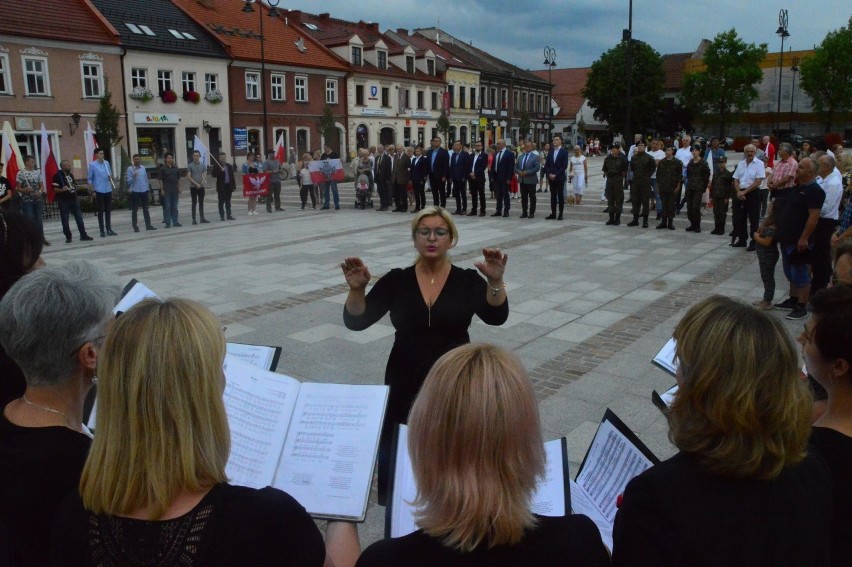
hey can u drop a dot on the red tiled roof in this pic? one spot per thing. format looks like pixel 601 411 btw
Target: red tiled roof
pixel 567 86
pixel 673 65
pixel 239 33
pixel 423 44
pixel 68 20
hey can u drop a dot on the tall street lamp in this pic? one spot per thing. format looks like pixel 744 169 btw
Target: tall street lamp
pixel 781 31
pixel 550 63
pixel 273 13
pixel 795 69
pixel 627 35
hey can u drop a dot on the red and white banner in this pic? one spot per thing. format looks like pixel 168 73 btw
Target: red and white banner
pixel 10 155
pixel 325 170
pixel 90 144
pixel 49 167
pixel 280 153
pixel 255 184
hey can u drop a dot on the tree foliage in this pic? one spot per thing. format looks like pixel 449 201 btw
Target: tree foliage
pixel 827 74
pixel 327 127
pixel 606 87
pixel 107 121
pixel 444 125
pixel 524 124
pixel 727 82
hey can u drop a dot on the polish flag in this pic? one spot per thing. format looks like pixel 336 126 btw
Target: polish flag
pixel 10 154
pixel 280 154
pixel 49 167
pixel 91 145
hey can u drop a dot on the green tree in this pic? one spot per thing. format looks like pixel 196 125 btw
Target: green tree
pixel 606 87
pixel 444 125
pixel 727 82
pixel 326 125
pixel 524 125
pixel 827 74
pixel 107 121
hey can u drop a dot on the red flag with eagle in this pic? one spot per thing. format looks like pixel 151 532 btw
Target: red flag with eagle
pixel 325 170
pixel 255 184
pixel 49 167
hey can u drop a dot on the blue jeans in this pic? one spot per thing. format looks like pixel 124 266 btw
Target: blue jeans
pixel 66 209
pixel 331 186
pixel 34 210
pixel 656 195
pixel 170 206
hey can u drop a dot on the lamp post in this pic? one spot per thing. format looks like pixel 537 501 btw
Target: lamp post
pixel 550 63
pixel 781 31
pixel 795 69
pixel 273 13
pixel 627 35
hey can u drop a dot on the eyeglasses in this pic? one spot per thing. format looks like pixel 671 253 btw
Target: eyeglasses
pixel 440 233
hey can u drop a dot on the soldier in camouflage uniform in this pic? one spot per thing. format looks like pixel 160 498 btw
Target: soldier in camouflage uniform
pixel 615 171
pixel 643 166
pixel 669 180
pixel 721 191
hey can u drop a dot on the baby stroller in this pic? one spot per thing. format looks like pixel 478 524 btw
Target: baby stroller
pixel 363 193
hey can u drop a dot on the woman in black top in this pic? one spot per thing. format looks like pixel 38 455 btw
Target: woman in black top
pixel 743 489
pixel 476 452
pixel 431 305
pixel 827 349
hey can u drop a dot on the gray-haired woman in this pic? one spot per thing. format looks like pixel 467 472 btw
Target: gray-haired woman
pixel 52 324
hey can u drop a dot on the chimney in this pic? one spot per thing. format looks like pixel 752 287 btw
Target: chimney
pixel 209 4
pixel 324 16
pixel 401 32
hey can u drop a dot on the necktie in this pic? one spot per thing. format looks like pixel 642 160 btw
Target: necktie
pixel 455 159
pixel 227 175
pixel 434 155
pixel 524 163
pixel 499 157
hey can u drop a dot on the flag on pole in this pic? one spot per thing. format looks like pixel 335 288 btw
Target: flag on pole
pixel 280 154
pixel 10 154
pixel 49 167
pixel 198 146
pixel 90 144
pixel 255 184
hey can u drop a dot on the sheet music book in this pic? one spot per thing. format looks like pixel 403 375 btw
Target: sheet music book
pixel 133 293
pixel 317 442
pixel 262 356
pixel 666 358
pixel 615 456
pixel 552 496
pixel 664 400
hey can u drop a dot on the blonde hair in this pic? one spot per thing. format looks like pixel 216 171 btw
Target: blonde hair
pixel 741 408
pixel 162 427
pixel 476 448
pixel 434 212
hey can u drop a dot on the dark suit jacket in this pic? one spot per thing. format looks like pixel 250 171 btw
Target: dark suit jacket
pixel 419 169
pixel 505 169
pixel 401 165
pixel 219 174
pixel 442 163
pixel 459 165
pixel 478 168
pixel 560 166
pixel 384 173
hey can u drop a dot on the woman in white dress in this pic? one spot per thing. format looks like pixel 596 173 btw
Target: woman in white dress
pixel 579 172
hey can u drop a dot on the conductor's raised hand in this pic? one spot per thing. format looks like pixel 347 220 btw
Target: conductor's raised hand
pixel 356 273
pixel 492 265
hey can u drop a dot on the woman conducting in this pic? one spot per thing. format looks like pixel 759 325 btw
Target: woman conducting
pixel 154 490
pixel 477 411
pixel 431 304
pixel 743 489
pixel 827 349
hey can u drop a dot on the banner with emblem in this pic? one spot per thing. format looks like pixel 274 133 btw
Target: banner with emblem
pixel 325 170
pixel 255 184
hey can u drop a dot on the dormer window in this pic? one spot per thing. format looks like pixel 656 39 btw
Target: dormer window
pixel 356 56
pixel 430 66
pixel 409 64
pixel 382 59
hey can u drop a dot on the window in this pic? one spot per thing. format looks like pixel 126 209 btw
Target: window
pixel 382 59
pixel 531 105
pixel 515 100
pixel 385 96
pixel 482 99
pixel 473 97
pixel 523 101
pixel 92 80
pixel 430 66
pixel 434 102
pixel 492 98
pixel 538 103
pixel 211 82
pixel 504 98
pixel 301 89
pixel 406 98
pixel 277 86
pixel 451 94
pixel 138 78
pixel 359 95
pixel 35 76
pixel 331 91
pixel 164 80
pixel 409 64
pixel 181 35
pixel 5 79
pixel 146 30
pixel 462 97
pixel 546 104
pixel 187 81
pixel 356 56
pixel 434 133
pixel 420 100
pixel 252 85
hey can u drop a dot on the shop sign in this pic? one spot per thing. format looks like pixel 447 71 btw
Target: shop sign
pixel 163 118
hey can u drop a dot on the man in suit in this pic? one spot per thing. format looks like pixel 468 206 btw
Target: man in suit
pixel 382 173
pixel 225 185
pixel 401 177
pixel 527 168
pixel 459 165
pixel 503 168
pixel 476 175
pixel 438 159
pixel 556 167
pixel 419 171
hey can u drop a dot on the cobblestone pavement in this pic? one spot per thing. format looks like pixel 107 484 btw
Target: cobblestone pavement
pixel 590 304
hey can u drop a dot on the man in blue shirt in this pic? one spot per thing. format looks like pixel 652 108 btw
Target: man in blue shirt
pixel 100 178
pixel 137 179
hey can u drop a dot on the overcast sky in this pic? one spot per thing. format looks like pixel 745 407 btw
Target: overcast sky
pixel 518 30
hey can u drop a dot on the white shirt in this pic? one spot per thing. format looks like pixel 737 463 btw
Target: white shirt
pixel 658 155
pixel 747 173
pixel 685 156
pixel 833 187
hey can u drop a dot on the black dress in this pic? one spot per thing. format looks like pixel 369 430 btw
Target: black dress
pixel 423 334
pixel 232 525
pixel 39 467
pixel 836 449
pixel 567 540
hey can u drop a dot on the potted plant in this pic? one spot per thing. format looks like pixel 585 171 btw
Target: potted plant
pixel 191 96
pixel 213 96
pixel 142 94
pixel 169 96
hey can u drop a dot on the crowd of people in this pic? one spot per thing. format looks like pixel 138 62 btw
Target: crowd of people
pixel 761 476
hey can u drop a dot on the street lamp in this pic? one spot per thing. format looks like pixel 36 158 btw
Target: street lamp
pixel 781 31
pixel 627 35
pixel 795 69
pixel 550 63
pixel 273 13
